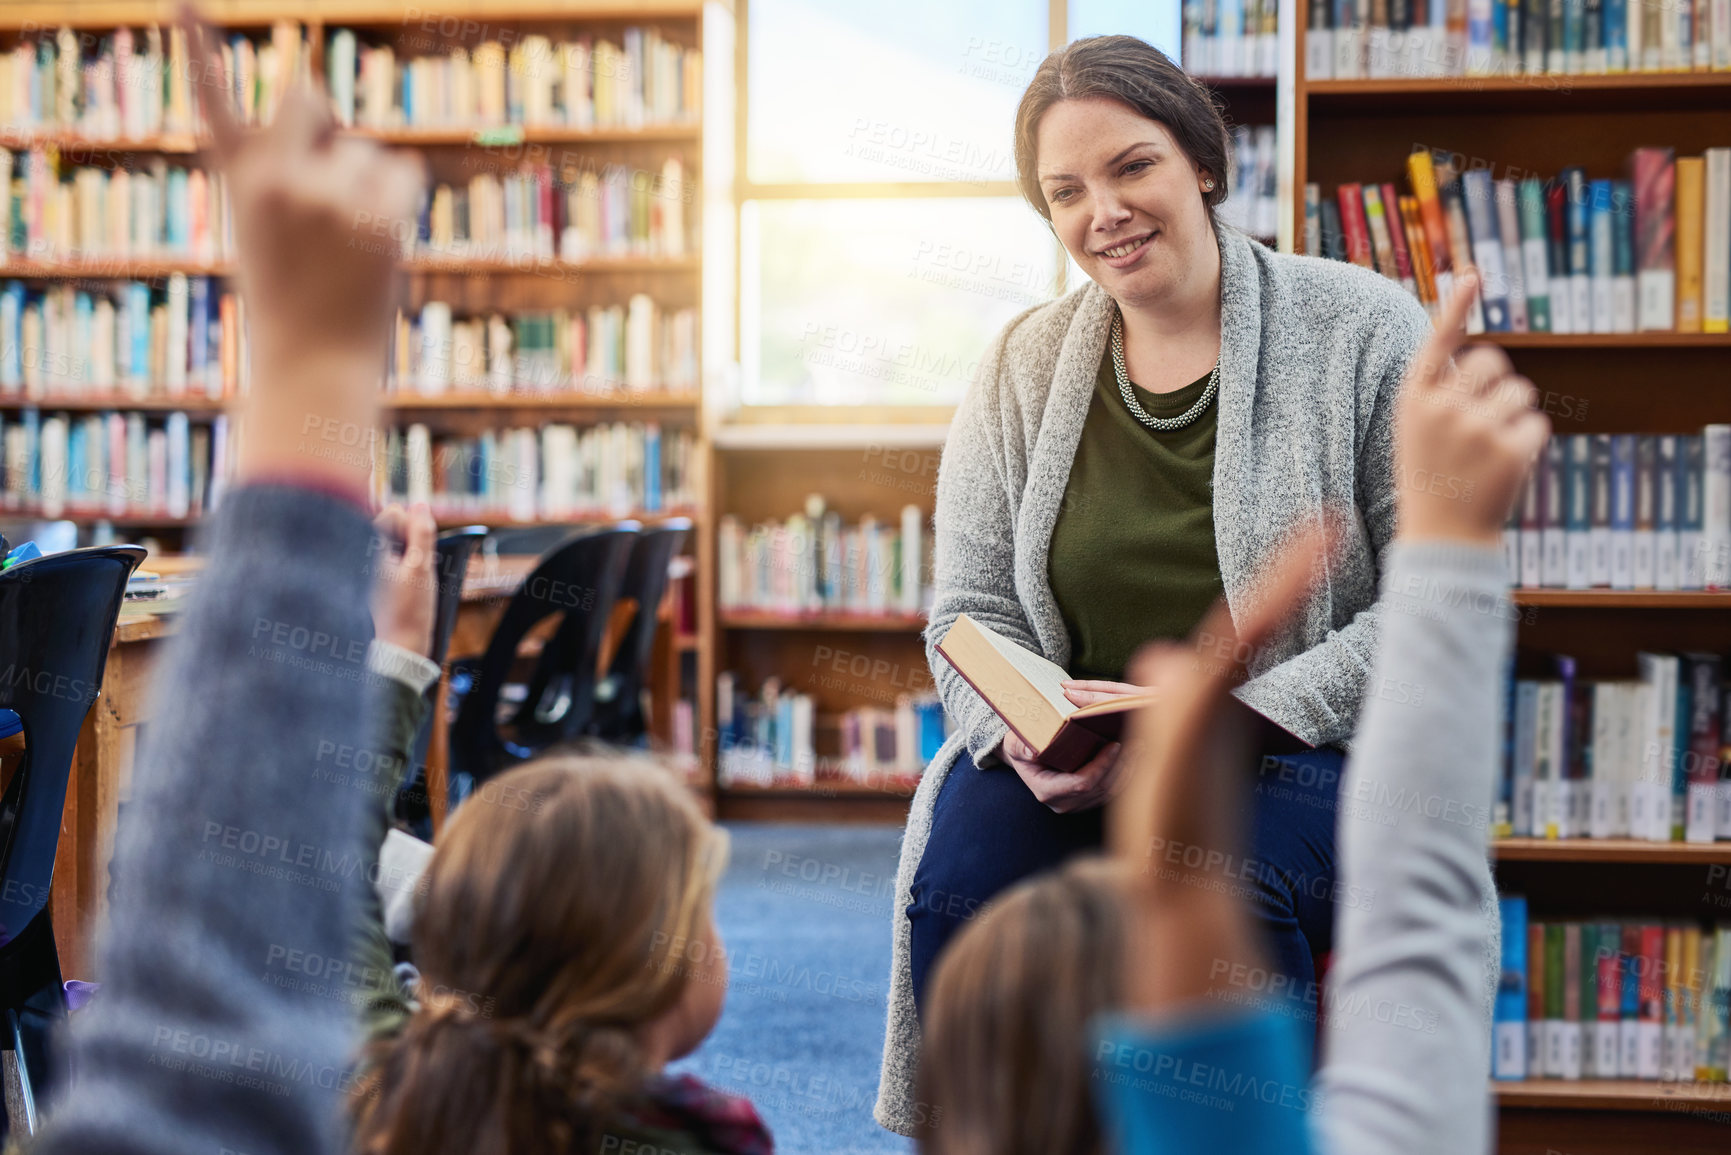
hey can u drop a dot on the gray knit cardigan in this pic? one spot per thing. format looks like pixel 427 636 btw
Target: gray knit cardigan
pixel 1311 355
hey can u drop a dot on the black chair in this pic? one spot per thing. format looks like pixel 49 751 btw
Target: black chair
pixel 619 713
pixel 579 581
pixel 454 551
pixel 531 541
pixel 57 616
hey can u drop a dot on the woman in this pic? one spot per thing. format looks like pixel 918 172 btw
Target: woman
pixel 1144 993
pixel 1129 454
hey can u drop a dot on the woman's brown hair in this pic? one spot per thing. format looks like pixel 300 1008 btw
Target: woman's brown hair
pixel 1004 1067
pixel 562 912
pixel 1138 75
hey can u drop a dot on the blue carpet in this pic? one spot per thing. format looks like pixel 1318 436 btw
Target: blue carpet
pixel 804 912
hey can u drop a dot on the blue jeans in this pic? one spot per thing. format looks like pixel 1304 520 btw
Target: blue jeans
pixel 989 833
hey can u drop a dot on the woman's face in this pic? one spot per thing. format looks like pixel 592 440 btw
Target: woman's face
pixel 1125 200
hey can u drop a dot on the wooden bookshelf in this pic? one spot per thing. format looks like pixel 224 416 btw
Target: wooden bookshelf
pixel 1362 130
pixel 762 620
pixel 479 280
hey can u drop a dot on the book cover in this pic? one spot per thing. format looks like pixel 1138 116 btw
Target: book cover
pixel 1630 967
pixel 1606 963
pixel 1487 248
pixel 1418 246
pixel 1538 979
pixel 1354 227
pixel 1599 554
pixel 1691 177
pixel 1573 986
pixel 1646 506
pixel 1421 173
pixel 1553 488
pixel 1580 250
pixel 1510 1050
pixel 1701 765
pixel 1666 501
pixel 1557 1002
pixel 1623 508
pixel 1622 257
pixel 1382 244
pixel 1525 759
pixel 1689 498
pixel 1509 230
pixel 1653 178
pixel 1716 236
pixel 1651 985
pixel 1557 257
pixel 1396 229
pixel 1460 241
pixel 1601 257
pixel 1577 512
pixel 1716 507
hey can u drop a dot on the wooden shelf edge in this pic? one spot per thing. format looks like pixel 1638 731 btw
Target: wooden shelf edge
pixel 1557 83
pixel 887 623
pixel 1623 850
pixel 1611 1095
pixel 1623 599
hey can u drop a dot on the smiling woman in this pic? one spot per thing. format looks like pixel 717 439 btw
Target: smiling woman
pixel 1125 457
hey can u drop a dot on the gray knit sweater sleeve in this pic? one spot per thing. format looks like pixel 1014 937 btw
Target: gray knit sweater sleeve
pixel 222 1023
pixel 1407 1055
pixel 974 559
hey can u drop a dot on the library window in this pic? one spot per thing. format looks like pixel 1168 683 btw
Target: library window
pixel 883 242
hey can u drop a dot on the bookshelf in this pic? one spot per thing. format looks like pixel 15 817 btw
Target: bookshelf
pixel 768 480
pixel 1362 130
pixel 485 279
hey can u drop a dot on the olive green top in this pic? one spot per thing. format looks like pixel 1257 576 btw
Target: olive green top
pixel 1132 556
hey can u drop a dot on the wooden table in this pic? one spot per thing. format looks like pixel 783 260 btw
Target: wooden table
pixel 102 761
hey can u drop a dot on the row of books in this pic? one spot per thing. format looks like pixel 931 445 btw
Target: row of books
pixel 616 212
pixel 131 84
pixel 640 346
pixel 771 738
pixel 813 563
pixel 84 212
pixel 584 83
pixel 1635 758
pixel 1565 255
pixel 186 337
pixel 1253 204
pixel 1231 37
pixel 1345 39
pixel 1624 511
pixel 113 464
pixel 544 474
pixel 1611 999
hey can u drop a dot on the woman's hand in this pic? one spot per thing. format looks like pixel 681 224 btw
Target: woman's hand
pixel 1466 434
pixel 405 585
pixel 1087 691
pixel 1064 791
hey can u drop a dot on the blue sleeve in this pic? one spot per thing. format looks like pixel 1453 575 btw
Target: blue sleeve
pixel 1232 1080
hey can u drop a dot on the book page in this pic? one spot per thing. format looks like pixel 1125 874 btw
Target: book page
pixel 1043 675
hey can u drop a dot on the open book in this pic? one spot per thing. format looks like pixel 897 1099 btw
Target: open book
pixel 1026 691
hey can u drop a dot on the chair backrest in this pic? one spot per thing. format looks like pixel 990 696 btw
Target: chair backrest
pixel 57 616
pixel 454 551
pixel 581 581
pixel 620 714
pixel 532 540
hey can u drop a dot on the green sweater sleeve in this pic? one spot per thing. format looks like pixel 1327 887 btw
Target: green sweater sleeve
pixel 379 997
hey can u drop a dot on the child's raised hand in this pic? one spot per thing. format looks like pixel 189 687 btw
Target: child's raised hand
pixel 406 584
pixel 317 222
pixel 317 217
pixel 1176 825
pixel 1466 433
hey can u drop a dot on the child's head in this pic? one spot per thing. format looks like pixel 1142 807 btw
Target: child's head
pixel 567 949
pixel 1004 1069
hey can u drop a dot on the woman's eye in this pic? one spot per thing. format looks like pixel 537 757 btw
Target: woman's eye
pixel 1061 196
pixel 1136 166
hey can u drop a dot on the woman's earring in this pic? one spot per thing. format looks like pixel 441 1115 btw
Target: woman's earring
pixel 1208 184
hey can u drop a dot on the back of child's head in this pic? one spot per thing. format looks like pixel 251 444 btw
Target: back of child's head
pixel 1004 1065
pixel 566 908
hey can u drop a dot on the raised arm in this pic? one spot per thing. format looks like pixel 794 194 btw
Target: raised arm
pixel 236 865
pixel 1407 1058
